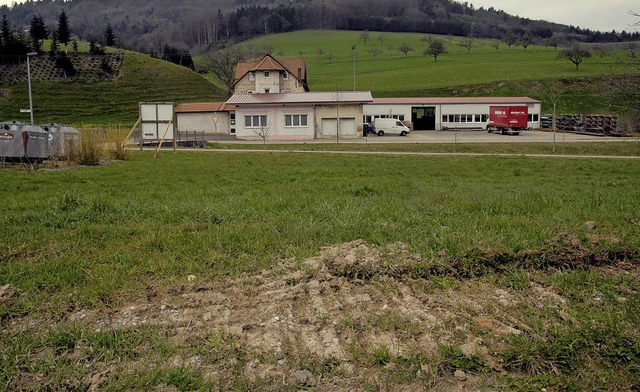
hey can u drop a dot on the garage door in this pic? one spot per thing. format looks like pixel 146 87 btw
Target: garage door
pixel 347 126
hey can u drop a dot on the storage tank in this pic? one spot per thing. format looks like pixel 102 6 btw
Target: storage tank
pixel 64 140
pixel 20 142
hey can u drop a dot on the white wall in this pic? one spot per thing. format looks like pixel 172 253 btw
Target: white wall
pixel 276 122
pixel 204 122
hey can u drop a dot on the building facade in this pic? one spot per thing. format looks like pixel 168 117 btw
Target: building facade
pixel 271 76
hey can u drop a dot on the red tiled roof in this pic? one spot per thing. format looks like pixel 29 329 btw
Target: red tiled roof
pixel 197 107
pixel 452 100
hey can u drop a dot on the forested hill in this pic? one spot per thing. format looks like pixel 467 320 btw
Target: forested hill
pixel 197 25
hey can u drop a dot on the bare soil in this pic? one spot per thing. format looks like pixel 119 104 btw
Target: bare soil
pixel 353 316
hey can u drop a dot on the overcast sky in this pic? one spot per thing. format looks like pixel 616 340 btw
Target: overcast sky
pixel 594 14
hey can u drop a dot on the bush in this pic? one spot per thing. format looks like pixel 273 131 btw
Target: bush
pixel 91 148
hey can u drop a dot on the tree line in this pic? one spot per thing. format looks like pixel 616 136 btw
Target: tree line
pixel 149 26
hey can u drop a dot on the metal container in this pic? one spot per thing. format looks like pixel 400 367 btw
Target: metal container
pixel 20 142
pixel 64 140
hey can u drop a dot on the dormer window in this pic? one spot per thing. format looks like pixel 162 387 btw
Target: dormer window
pixel 252 76
pixel 285 75
pixel 266 74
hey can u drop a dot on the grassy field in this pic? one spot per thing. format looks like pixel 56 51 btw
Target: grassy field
pixel 483 71
pixel 82 245
pixel 142 79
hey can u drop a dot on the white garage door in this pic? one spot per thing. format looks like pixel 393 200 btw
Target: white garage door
pixel 347 126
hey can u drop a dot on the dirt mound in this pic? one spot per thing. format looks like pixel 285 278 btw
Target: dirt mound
pixel 330 309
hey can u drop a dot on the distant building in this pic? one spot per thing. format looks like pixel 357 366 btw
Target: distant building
pixel 269 75
pixel 442 113
pixel 300 116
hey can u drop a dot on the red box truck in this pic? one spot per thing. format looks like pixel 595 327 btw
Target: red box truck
pixel 508 119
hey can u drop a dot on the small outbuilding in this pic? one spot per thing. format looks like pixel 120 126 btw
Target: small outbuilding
pixel 212 118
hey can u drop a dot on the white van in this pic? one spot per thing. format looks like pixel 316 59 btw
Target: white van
pixel 391 126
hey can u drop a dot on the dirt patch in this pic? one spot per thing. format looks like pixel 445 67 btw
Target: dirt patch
pixel 354 315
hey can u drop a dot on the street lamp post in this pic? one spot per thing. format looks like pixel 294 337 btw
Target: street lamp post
pixel 353 57
pixel 29 81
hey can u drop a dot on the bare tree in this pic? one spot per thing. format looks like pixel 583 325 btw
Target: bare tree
pixel 374 52
pixel 364 37
pixel 466 43
pixel 222 63
pixel 330 57
pixel 510 39
pixel 553 41
pixel 263 131
pixel 381 38
pixel 435 49
pixel 320 51
pixel 602 50
pixel 525 41
pixel 576 54
pixel 405 48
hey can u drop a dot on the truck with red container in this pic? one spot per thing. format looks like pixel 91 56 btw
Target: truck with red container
pixel 510 120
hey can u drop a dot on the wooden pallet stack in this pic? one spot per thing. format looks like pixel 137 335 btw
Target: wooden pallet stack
pixel 598 123
pixel 570 123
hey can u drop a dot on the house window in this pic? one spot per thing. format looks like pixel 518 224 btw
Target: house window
pixel 533 117
pixel 444 118
pixel 285 75
pixel 266 74
pixel 476 118
pixel 255 121
pixel 368 119
pixel 232 119
pixel 295 120
pixel 484 117
pixel 252 76
pixel 267 90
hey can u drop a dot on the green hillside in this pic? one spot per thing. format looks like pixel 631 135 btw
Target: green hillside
pixel 481 71
pixel 141 79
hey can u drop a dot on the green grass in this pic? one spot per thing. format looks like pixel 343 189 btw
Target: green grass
pixel 142 79
pixel 99 237
pixel 629 147
pixel 480 72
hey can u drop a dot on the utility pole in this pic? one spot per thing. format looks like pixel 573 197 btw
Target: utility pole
pixel 29 80
pixel 353 57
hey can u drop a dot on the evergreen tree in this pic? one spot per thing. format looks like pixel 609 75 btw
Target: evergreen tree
pixel 64 33
pixel 109 36
pixel 53 52
pixel 38 32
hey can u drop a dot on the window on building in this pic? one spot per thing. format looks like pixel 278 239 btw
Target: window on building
pixel 444 118
pixel 267 90
pixel 295 120
pixel 476 118
pixel 266 74
pixel 368 119
pixel 456 118
pixel 232 119
pixel 533 117
pixel 285 75
pixel 485 117
pixel 255 121
pixel 252 76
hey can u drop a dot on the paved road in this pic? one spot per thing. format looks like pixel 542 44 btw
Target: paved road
pixel 462 137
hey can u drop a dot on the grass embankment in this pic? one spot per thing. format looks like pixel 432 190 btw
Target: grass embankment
pixel 102 238
pixel 482 71
pixel 142 79
pixel 626 148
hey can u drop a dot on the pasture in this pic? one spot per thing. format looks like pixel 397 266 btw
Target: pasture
pixel 182 271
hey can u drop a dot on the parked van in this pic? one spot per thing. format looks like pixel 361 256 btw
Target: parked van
pixel 391 126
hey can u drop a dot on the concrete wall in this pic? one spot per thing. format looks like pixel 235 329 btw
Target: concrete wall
pixel 204 121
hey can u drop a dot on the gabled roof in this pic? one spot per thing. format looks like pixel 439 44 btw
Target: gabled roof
pixel 453 100
pixel 269 63
pixel 342 97
pixel 198 107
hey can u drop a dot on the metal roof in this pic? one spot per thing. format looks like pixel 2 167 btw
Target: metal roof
pixel 452 100
pixel 198 107
pixel 302 98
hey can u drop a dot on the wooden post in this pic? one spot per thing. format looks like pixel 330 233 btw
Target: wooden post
pixel 131 132
pixel 163 136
